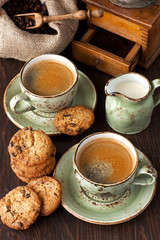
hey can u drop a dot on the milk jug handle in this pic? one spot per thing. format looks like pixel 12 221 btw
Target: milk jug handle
pixel 155 83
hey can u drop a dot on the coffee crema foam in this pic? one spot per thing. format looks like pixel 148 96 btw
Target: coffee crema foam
pixel 48 78
pixel 105 161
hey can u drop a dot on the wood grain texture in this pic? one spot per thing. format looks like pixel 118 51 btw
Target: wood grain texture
pixel 61 224
pixel 138 25
pixel 144 16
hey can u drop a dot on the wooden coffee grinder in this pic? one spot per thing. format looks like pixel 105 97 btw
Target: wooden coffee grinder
pixel 121 38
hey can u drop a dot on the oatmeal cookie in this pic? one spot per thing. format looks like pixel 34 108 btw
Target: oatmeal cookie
pixel 30 147
pixel 34 172
pixel 46 171
pixel 49 191
pixel 20 208
pixel 73 120
pixel 32 169
pixel 24 179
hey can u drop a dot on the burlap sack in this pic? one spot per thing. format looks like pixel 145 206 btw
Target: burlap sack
pixel 19 44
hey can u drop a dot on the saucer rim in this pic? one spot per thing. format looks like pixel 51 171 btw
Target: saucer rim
pixel 106 222
pixel 19 125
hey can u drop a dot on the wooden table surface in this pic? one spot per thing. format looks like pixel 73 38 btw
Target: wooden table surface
pixel 61 224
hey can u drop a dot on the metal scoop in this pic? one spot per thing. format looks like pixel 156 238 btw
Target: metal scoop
pixel 39 20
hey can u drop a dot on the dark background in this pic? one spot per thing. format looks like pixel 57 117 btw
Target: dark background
pixel 61 224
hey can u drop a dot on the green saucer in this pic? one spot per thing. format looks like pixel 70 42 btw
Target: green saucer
pixel 74 201
pixel 86 95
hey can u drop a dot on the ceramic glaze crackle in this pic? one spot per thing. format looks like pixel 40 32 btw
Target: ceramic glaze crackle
pixel 127 114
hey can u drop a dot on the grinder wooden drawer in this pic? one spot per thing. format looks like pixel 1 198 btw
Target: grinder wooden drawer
pixel 141 26
pixel 98 48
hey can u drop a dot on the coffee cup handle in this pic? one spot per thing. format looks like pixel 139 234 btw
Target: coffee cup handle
pixel 155 83
pixel 145 176
pixel 19 108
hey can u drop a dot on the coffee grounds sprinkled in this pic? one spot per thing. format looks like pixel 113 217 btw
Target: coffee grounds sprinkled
pixel 98 172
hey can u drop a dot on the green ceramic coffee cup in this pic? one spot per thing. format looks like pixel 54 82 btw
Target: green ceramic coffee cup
pixel 97 190
pixel 29 101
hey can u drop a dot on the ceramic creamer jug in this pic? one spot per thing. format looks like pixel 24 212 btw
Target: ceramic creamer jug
pixel 130 102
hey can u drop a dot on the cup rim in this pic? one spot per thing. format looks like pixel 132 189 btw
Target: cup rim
pixel 122 95
pixel 48 96
pixel 104 184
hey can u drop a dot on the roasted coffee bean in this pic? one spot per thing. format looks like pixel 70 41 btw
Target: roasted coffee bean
pixel 14 7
